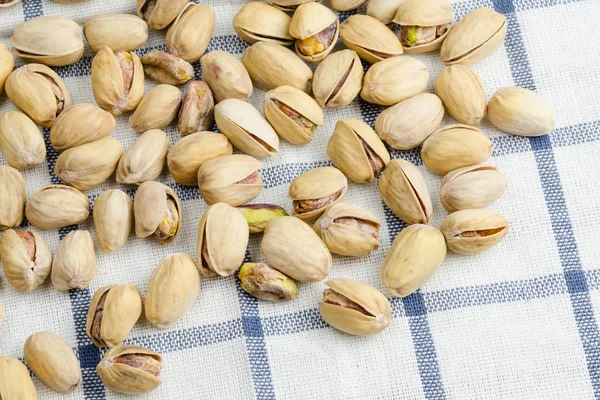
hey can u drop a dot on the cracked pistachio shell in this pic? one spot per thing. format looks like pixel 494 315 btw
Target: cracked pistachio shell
pixel 410 122
pixel 284 246
pixel 7 63
pixel 108 84
pixel 81 124
pixel 383 10
pixel 246 128
pixel 455 146
pixel 344 297
pixel 113 219
pixel 26 259
pixel 404 191
pixel 130 369
pixel 223 236
pixel 348 230
pixel 338 79
pixel 12 197
pixel 521 112
pixel 226 76
pixel 152 212
pixel 346 5
pixel 315 190
pixel 48 40
pixel 356 150
pixel 53 361
pixel 159 13
pixel 113 312
pixel 158 108
pixel 258 215
pixel 39 92
pixel 308 21
pixel 372 40
pixel 474 186
pixel 393 80
pixel 118 31
pixel 289 5
pixel 425 13
pixel 257 22
pixel 57 206
pixel 145 159
pixel 293 114
pixel 271 65
pixel 191 32
pixel 21 142
pixel 266 283
pixel 462 93
pixel 474 37
pixel 74 264
pixel 15 382
pixel 472 231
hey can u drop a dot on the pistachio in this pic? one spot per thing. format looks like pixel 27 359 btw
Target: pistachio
pixel 474 37
pixel 117 31
pixel 12 197
pixel 130 369
pixel 383 10
pixel 117 80
pixel 8 3
pixel 472 187
pixel 288 5
pixel 410 122
pixel 157 211
pixel 197 110
pixel 158 108
pixel 159 13
pixel 355 308
pixel 315 190
pixel 21 142
pixel 393 80
pixel 15 382
pixel 425 24
pixel 53 361
pixel 403 189
pixel 266 283
pixel 347 5
pixel 113 312
pixel 258 215
pixel 7 63
pixel 285 245
pixel 57 206
pixel 293 114
pixel 232 179
pixel 74 264
pixel 316 29
pixel 191 32
pixel 48 40
pixel 226 76
pixel 521 112
pixel 462 93
pixel 113 218
pixel 372 40
pixel 453 147
pixel 338 79
pixel 271 65
pixel 38 92
pixel 257 22
pixel 348 230
pixel 472 231
pixel 187 155
pixel 145 159
pixel 26 259
pixel 165 68
pixel 81 124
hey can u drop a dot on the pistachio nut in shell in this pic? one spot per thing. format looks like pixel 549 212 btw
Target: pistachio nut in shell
pixel 424 24
pixel 284 246
pixel 266 283
pixel 52 41
pixel 166 68
pixel 410 122
pixel 197 112
pixel 113 311
pixel 472 231
pixel 158 108
pixel 12 197
pixel 21 142
pixel 315 190
pixel 293 114
pixel 258 215
pixel 57 206
pixel 453 147
pixel 474 186
pixel 7 63
pixel 113 219
pixel 15 382
pixel 159 13
pixel 157 212
pixel 117 31
pixel 348 230
pixel 53 361
pixel 271 65
pixel 355 308
pixel 258 22
pixel 288 5
pixel 190 33
pixel 356 150
pixel 462 94
pixel 74 264
pixel 81 124
pixel 346 5
pixel 26 259
pixel 130 369
pixel 338 79
pixel 522 112
pixel 145 159
pixel 226 76
pixel 474 37
pixel 403 189
pixel 117 80
pixel 232 179
pixel 316 29
pixel 393 80
pixel 383 10
pixel 187 155
pixel 371 39
pixel 39 92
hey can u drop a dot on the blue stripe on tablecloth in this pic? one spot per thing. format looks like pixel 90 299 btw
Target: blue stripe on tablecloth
pixel 32 9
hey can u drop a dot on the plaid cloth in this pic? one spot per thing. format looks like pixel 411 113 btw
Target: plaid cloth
pixel 518 321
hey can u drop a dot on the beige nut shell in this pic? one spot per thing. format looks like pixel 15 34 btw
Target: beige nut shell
pixel 113 219
pixel 329 75
pixel 315 184
pixel 257 22
pixel 24 273
pixel 57 206
pixel 368 37
pixel 74 264
pixel 149 205
pixel 189 35
pixel 124 378
pixel 145 159
pixel 462 93
pixel 425 13
pixel 118 31
pixel 15 382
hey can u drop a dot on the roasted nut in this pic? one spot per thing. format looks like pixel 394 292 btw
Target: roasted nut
pixel 266 283
pixel 383 10
pixel 12 197
pixel 473 231
pixel 26 259
pixel 425 24
pixel 226 76
pixel 165 68
pixel 316 29
pixel 158 108
pixel 159 13
pixel 113 218
pixel 81 124
pixel 74 264
pixel 338 79
pixel 258 22
pixel 7 63
pixel 191 32
pixel 372 40
pixel 145 159
pixel 472 187
pixel 57 206
pixel 288 5
pixel 315 190
pixel 157 211
pixel 347 5
pixel 15 382
pixel 130 369
pixel 462 93
pixel 197 110
pixel 118 31
pixel 258 215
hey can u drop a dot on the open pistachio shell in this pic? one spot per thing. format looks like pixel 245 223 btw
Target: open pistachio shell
pixel 425 24
pixel 57 206
pixel 462 93
pixel 159 13
pixel 118 31
pixel 338 79
pixel 158 212
pixel 315 190
pixel 26 259
pixel 15 382
pixel 130 369
pixel 145 159
pixel 316 29
pixel 258 22
pixel 191 32
pixel 21 142
pixel 472 231
pixel 372 40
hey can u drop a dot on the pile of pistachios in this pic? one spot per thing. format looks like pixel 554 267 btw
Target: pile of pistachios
pixel 294 250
